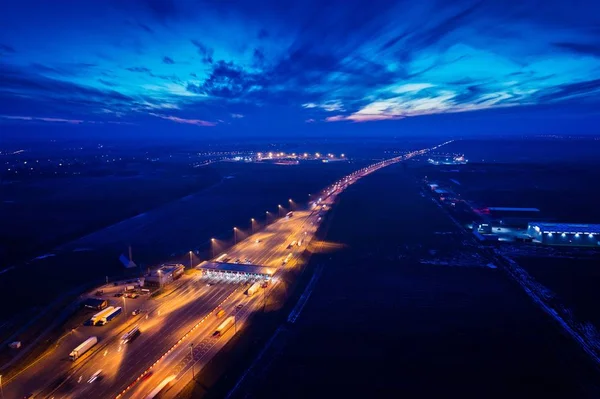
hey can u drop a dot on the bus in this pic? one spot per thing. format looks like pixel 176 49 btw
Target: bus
pixel 289 214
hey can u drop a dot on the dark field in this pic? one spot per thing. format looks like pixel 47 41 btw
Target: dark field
pixel 574 282
pixel 561 191
pixel 379 326
pixel 556 176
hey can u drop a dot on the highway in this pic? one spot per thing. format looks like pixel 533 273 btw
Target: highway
pixel 183 316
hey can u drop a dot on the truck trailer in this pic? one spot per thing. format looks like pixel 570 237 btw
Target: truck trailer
pixel 223 327
pixel 82 348
pixel 98 316
pixel 253 288
pixel 109 316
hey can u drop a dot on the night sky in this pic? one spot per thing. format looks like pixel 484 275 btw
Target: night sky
pixel 338 67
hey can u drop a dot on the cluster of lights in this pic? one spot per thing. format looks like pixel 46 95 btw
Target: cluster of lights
pixel 591 235
pixel 261 155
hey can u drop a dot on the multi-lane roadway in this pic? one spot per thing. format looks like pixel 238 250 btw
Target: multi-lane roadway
pixel 177 328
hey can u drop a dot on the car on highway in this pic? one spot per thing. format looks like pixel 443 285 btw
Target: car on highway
pixel 95 376
pixel 238 307
pixel 118 294
pixel 237 261
pixel 258 241
pixel 209 284
pixel 146 376
pixel 136 312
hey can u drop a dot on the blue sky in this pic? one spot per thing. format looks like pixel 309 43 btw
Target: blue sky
pixel 323 66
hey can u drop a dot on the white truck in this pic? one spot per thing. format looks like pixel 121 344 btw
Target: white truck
pixel 106 317
pixel 160 387
pixel 253 288
pixel 82 348
pixel 223 327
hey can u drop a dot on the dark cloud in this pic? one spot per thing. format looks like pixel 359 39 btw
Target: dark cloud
pixel 139 69
pixel 161 9
pixel 580 48
pixel 225 81
pixel 205 52
pixel 145 27
pixel 31 91
pixel 107 83
pixel 426 37
pixel 263 34
pixel 348 53
pixel 470 94
pixel 567 91
pixel 392 42
pixel 258 57
pixel 64 69
pixel 5 48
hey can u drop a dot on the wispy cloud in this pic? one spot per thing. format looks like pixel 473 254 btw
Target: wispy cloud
pixel 60 120
pixel 43 119
pixel 237 116
pixel 195 122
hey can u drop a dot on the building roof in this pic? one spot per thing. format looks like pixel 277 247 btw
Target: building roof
pixel 237 267
pixel 567 228
pixel 170 267
pixel 504 209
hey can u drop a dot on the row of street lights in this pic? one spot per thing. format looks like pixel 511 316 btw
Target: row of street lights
pixel 253 224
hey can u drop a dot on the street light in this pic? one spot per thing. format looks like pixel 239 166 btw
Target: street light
pixel 1 389
pixel 212 247
pixel 124 305
pixel 252 225
pixel 279 208
pixel 235 229
pixel 191 265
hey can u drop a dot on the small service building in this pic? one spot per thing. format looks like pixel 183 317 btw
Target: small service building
pixel 568 234
pixel 166 274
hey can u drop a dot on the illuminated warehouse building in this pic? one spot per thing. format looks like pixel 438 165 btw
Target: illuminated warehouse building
pixel 576 235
